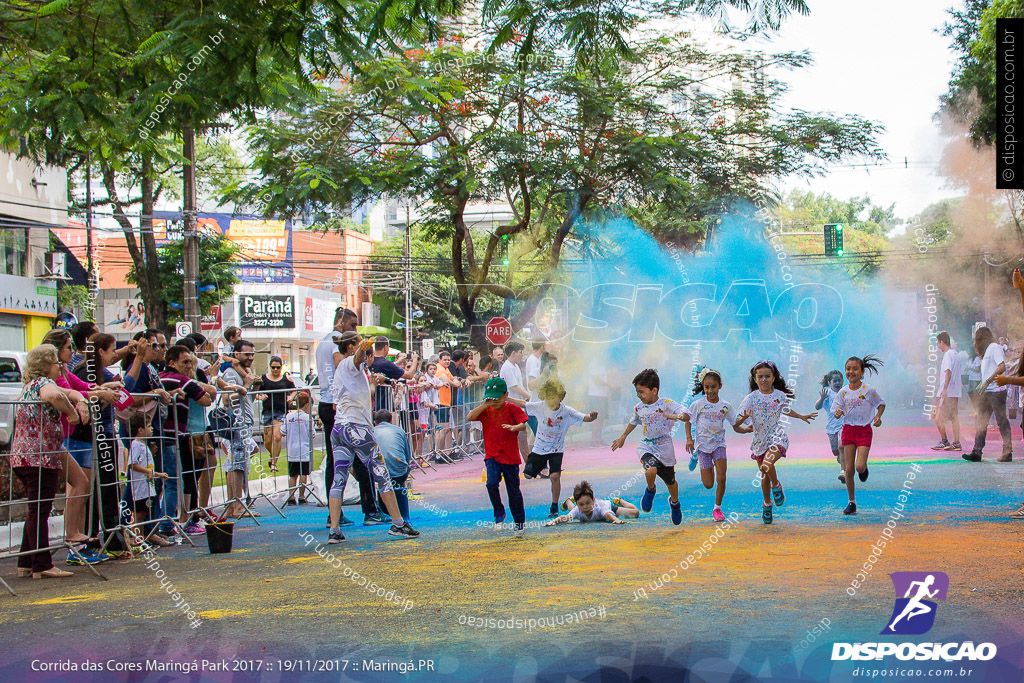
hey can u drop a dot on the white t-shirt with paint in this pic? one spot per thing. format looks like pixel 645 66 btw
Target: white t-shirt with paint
pixel 708 423
pixel 951 362
pixel 552 426
pixel 139 454
pixel 601 508
pixel 858 404
pixel 657 432
pixel 766 409
pixel 993 357
pixel 351 394
pixel 296 429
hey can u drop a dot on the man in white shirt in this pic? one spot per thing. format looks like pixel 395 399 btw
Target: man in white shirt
pixel 533 366
pixel 991 398
pixel 513 376
pixel 948 397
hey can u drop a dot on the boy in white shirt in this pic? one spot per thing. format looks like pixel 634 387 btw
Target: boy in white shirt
pixel 296 430
pixel 657 454
pixel 554 419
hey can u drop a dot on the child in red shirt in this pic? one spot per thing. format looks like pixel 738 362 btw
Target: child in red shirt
pixel 501 421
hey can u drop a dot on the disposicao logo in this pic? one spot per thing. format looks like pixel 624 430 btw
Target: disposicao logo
pixel 914 614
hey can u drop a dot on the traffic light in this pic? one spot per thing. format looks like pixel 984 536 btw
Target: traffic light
pixel 833 239
pixel 504 250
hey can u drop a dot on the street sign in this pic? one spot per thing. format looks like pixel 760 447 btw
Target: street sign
pixel 428 348
pixel 499 331
pixel 182 329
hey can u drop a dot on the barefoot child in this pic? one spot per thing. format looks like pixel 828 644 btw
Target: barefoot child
pixel 766 403
pixel 502 421
pixel 856 401
pixel 708 415
pixel 296 431
pixel 583 507
pixel 141 475
pixel 830 386
pixel 553 421
pixel 657 454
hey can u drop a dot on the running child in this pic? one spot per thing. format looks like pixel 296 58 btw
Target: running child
pixel 831 383
pixel 584 507
pixel 296 431
pixel 554 419
pixel 657 454
pixel 856 401
pixel 766 403
pixel 708 415
pixel 502 421
pixel 141 476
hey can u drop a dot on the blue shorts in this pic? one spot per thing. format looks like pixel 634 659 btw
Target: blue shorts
pixel 268 419
pixel 81 451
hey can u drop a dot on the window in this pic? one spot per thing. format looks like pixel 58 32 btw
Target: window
pixel 13 251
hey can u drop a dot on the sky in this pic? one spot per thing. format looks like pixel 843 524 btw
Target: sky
pixel 886 61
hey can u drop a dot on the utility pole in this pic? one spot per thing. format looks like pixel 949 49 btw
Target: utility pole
pixel 91 280
pixel 190 250
pixel 408 278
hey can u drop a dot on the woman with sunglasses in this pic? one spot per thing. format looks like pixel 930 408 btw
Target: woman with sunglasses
pixel 275 405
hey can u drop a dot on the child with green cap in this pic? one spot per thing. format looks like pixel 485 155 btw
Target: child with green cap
pixel 501 420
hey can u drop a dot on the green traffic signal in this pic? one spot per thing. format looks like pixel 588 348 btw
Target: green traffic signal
pixel 839 227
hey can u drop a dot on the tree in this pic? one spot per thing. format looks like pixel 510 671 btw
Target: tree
pixel 806 211
pixel 562 138
pixel 215 255
pixel 92 79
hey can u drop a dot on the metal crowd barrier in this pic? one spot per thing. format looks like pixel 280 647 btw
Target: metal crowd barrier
pixel 41 505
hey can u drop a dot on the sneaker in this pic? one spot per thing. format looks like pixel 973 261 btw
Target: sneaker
pixel 851 509
pixel 717 515
pixel 405 531
pixel 842 477
pixel 693 461
pixel 344 521
pixel 519 532
pixel 779 495
pixel 1006 457
pixel 677 510
pixel 336 537
pixel 553 512
pixel 863 476
pixel 942 446
pixel 955 446
pixel 372 520
pixel 1018 513
pixel 647 502
pixel 972 456
pixel 86 556
pixel 570 499
pixel 766 514
pixel 194 529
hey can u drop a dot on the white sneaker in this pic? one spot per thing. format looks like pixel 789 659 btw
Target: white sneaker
pixel 519 533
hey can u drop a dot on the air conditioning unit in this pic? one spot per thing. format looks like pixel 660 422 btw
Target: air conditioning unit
pixel 371 314
pixel 55 265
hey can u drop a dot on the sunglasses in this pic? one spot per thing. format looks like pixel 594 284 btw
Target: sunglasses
pixel 275 367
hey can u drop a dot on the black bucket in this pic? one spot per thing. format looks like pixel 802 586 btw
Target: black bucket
pixel 218 536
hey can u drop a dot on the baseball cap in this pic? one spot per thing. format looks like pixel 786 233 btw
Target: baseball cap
pixel 495 388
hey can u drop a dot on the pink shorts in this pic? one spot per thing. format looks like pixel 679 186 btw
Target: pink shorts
pixel 857 435
pixel 760 458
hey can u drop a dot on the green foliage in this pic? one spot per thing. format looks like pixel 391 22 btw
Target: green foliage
pixel 339 224
pixel 936 225
pixel 215 268
pixel 801 211
pixel 75 298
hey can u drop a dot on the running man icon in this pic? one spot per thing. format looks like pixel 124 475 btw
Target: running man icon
pixel 916 589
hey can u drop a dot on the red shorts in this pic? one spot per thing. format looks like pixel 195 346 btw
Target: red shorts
pixel 857 435
pixel 760 458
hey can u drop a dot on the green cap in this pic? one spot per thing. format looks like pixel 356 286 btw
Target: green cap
pixel 495 388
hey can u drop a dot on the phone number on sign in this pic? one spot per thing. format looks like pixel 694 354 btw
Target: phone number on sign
pixel 273 322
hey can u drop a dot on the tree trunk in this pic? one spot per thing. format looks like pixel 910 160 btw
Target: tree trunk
pixel 145 260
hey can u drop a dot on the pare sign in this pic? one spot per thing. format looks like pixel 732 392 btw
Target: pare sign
pixel 700 312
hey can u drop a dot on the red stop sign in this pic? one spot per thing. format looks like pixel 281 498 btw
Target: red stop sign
pixel 499 330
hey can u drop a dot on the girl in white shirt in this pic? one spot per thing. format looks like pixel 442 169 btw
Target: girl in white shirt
pixel 855 403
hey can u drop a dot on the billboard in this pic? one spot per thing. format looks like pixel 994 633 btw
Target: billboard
pixel 265 244
pixel 123 316
pixel 263 311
